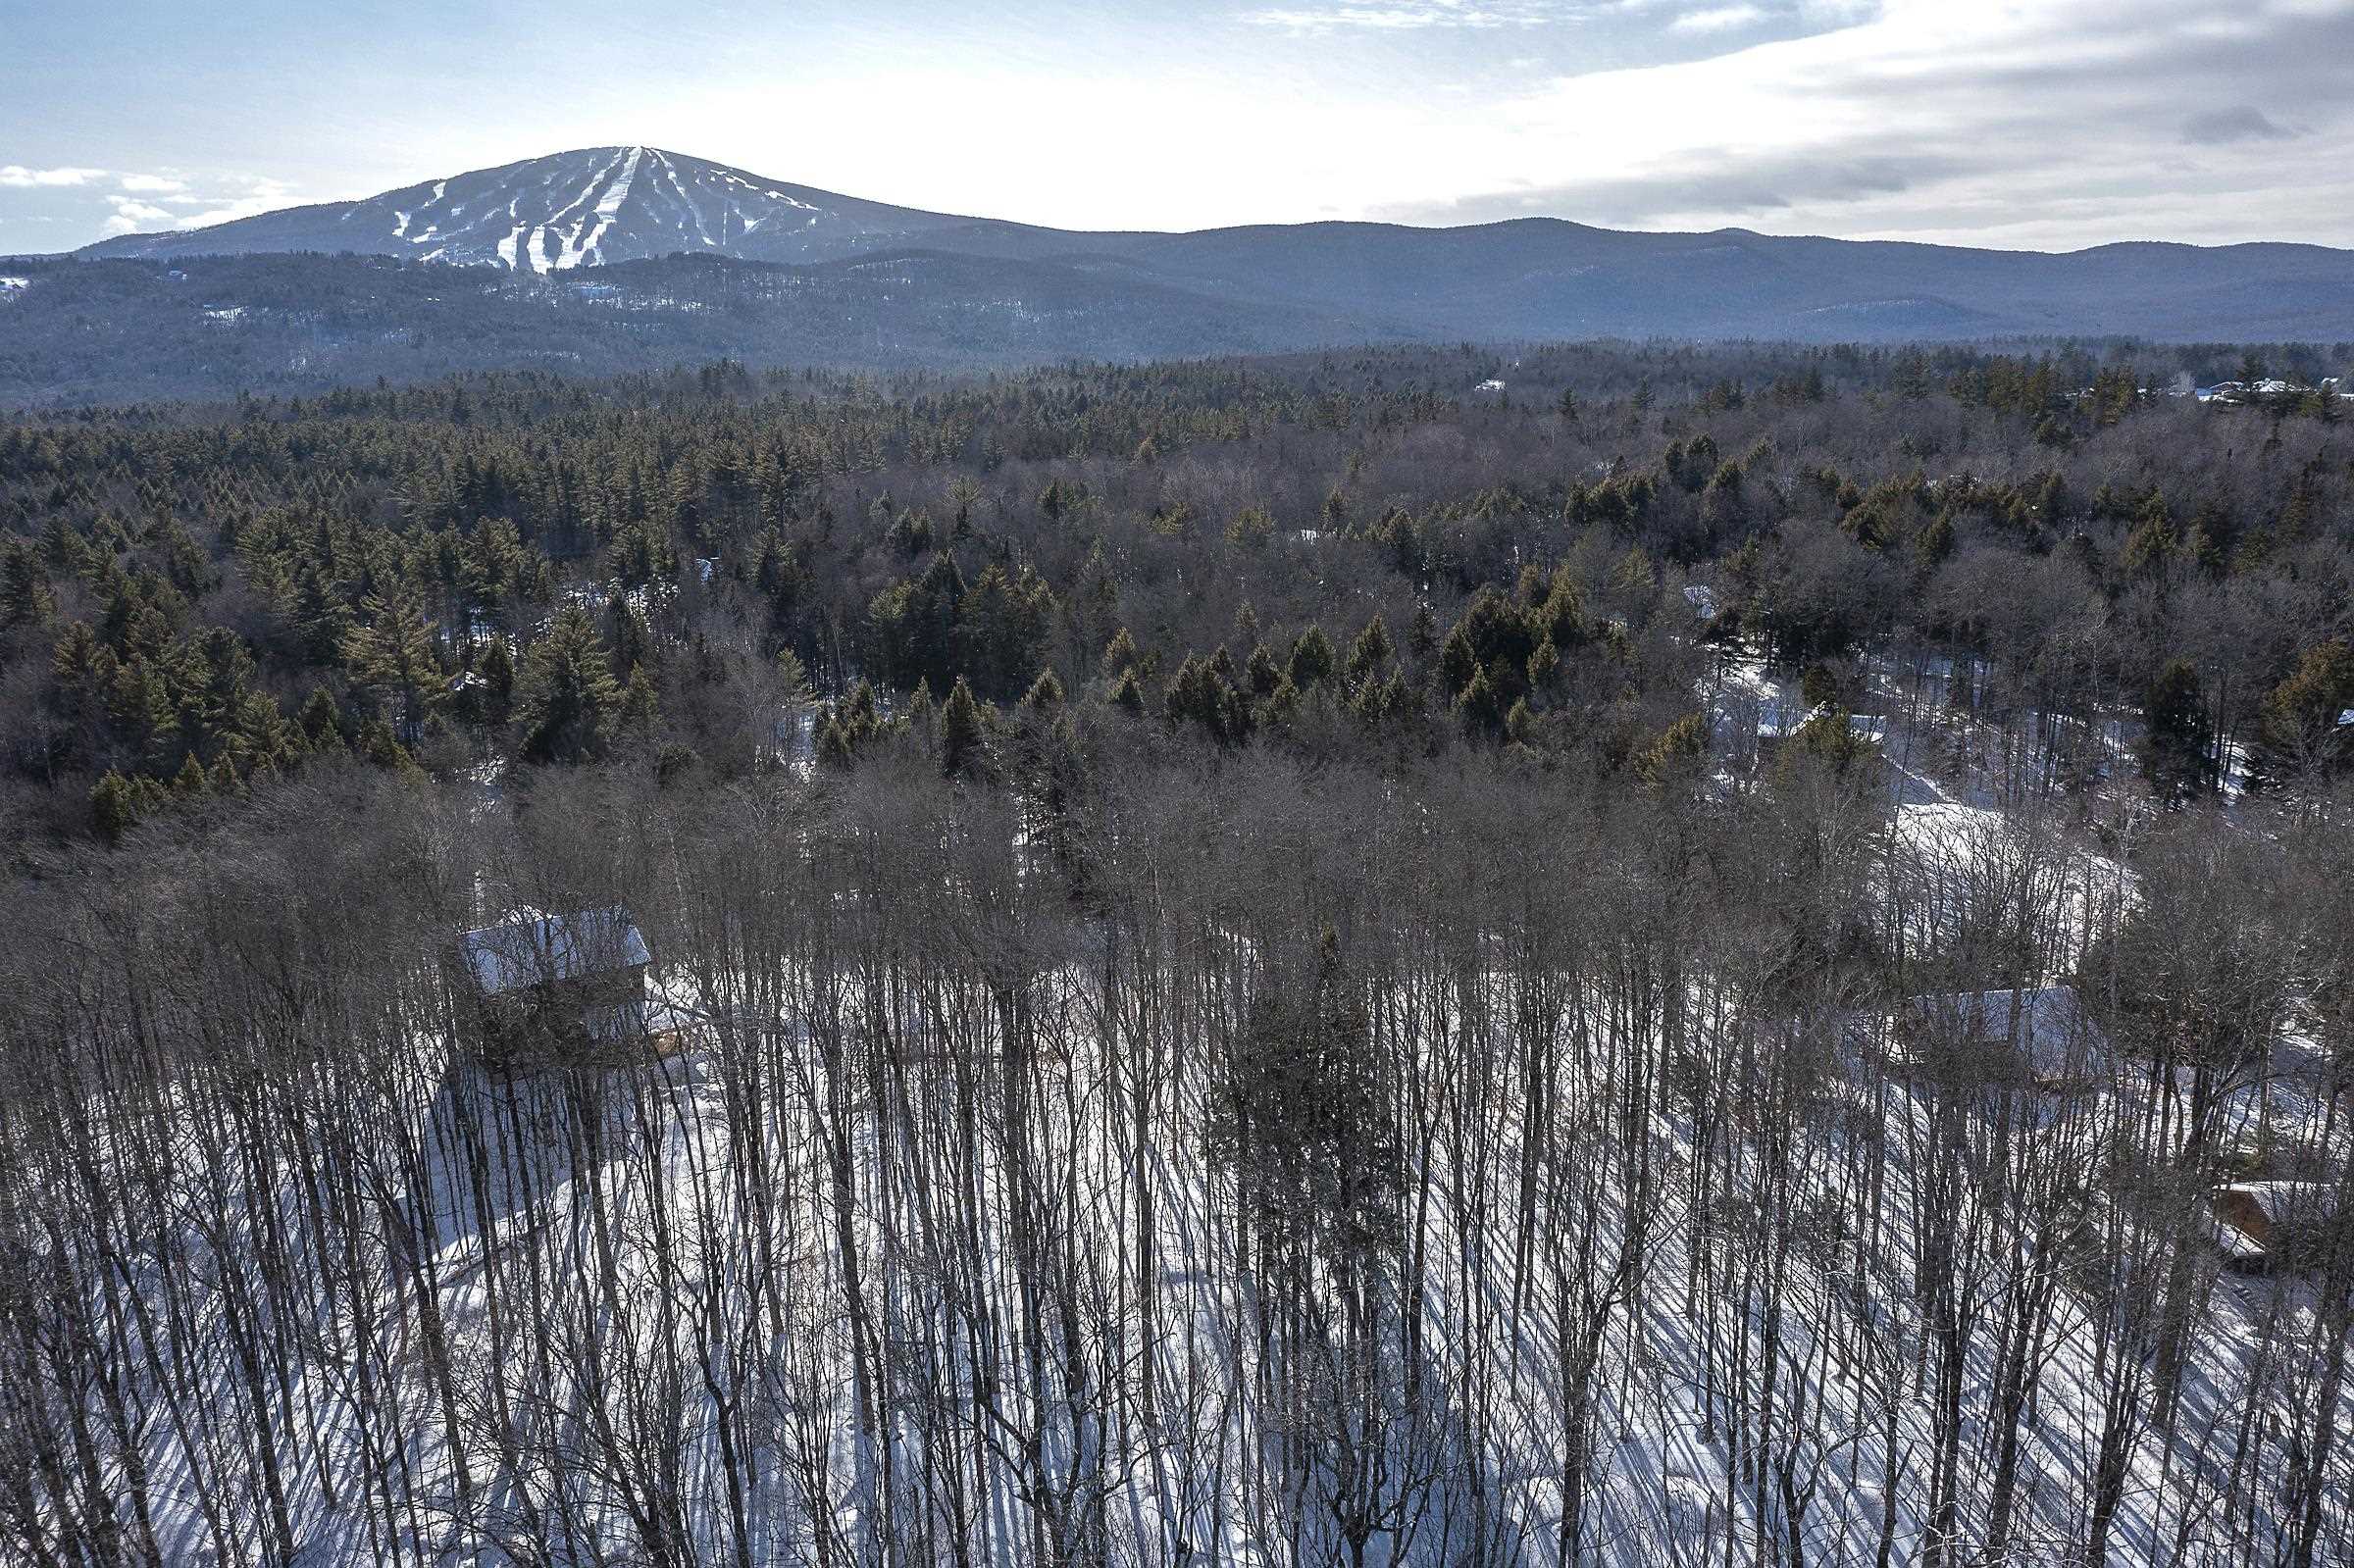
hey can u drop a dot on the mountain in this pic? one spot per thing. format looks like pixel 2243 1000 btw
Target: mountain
pixel 590 208
pixel 618 258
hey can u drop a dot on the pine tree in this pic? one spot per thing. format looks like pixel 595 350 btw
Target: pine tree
pixel 2300 729
pixel 497 670
pixel 1368 653
pixel 1459 662
pixel 637 704
pixel 1422 635
pixel 1544 665
pixel 1044 696
pixel 1676 756
pixel 960 732
pixel 1262 673
pixel 390 656
pixel 568 697
pixel 320 721
pixel 1482 705
pixel 1120 655
pixel 114 806
pixel 834 748
pixel 1313 659
pixel 1250 528
pixel 1128 696
pixel 25 597
pixel 2175 747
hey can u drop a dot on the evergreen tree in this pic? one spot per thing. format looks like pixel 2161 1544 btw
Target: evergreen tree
pixel 1044 696
pixel 320 721
pixel 567 696
pixel 960 732
pixel 2178 744
pixel 2303 729
pixel 1313 659
pixel 1368 653
pixel 191 780
pixel 24 596
pixel 1128 696
pixel 1253 526
pixel 114 806
pixel 497 670
pixel 1120 655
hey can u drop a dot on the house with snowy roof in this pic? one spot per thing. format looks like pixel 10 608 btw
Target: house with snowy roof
pixel 2262 1225
pixel 550 986
pixel 2038 1038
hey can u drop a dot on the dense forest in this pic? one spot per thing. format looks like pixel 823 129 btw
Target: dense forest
pixel 1458 956
pixel 76 331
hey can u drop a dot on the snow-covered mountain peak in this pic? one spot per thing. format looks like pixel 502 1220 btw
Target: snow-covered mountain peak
pixel 584 208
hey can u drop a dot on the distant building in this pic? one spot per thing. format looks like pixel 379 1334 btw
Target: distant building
pixel 2260 1224
pixel 2038 1039
pixel 553 986
pixel 1779 720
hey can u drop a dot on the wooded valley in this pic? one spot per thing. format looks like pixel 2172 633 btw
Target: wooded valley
pixel 1614 953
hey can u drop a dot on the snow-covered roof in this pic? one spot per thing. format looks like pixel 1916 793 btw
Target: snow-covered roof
pixel 2290 1201
pixel 543 949
pixel 2248 1213
pixel 2045 1030
pixel 1779 718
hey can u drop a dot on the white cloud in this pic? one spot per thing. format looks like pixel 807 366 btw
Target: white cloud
pixel 232 208
pixel 1407 16
pixel 231 196
pixel 17 175
pixel 131 215
pixel 1718 18
pixel 2056 123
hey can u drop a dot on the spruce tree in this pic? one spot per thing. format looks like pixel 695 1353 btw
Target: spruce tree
pixel 1120 655
pixel 320 723
pixel 1313 659
pixel 1368 653
pixel 960 732
pixel 568 697
pixel 1128 696
pixel 1044 696
pixel 114 806
pixel 2175 747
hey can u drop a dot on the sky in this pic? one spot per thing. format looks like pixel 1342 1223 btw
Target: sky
pixel 2051 125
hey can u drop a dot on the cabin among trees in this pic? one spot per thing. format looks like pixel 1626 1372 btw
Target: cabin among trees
pixel 2266 1225
pixel 2032 1039
pixel 553 987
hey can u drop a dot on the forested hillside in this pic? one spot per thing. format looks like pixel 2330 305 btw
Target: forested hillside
pixel 1620 954
pixel 222 326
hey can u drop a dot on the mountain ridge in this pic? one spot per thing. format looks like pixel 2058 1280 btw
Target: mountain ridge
pixel 1528 279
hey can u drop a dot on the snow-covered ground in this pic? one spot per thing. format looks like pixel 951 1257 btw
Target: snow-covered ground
pixel 940 1250
pixel 840 1273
